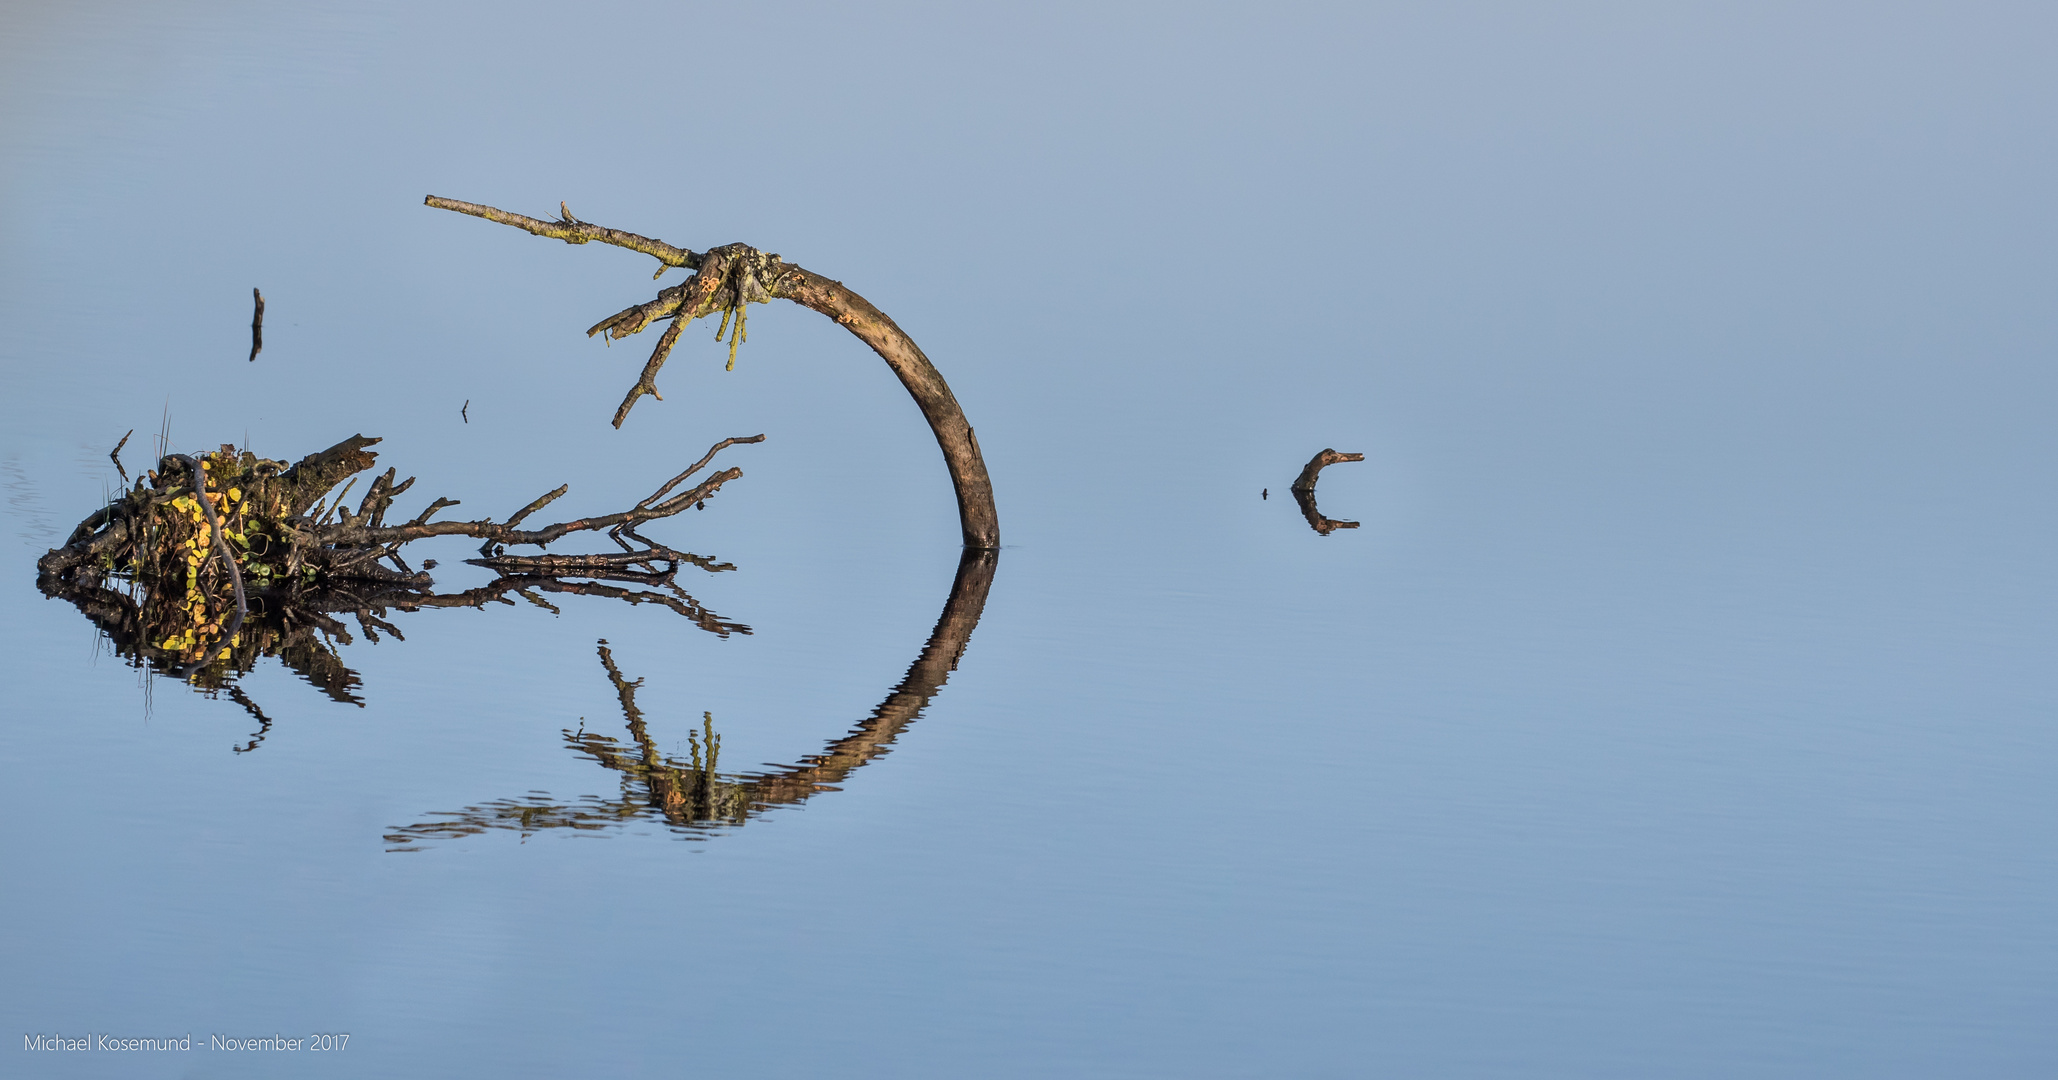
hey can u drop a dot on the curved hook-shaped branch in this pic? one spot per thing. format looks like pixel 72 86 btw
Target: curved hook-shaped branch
pixel 1304 491
pixel 728 278
pixel 954 434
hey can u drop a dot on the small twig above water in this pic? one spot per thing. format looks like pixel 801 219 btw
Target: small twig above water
pixel 725 281
pixel 115 456
pixel 257 325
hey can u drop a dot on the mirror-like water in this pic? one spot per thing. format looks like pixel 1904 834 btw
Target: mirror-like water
pixel 1667 692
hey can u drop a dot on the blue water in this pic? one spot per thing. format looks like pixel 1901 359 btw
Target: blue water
pixel 1682 706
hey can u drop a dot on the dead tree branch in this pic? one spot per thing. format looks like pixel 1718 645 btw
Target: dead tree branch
pixel 1304 491
pixel 573 231
pixel 211 521
pixel 729 278
pixel 257 325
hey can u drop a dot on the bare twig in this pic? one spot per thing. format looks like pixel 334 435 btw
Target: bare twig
pixel 424 516
pixel 574 232
pixel 646 383
pixel 542 501
pixel 697 466
pixel 257 326
pixel 502 534
pixel 115 456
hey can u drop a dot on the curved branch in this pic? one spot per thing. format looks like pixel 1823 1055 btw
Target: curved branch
pixel 730 276
pixel 954 435
pixel 875 735
pixel 1304 491
pixel 363 536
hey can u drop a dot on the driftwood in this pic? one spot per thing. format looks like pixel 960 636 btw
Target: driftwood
pixel 257 325
pixel 1304 491
pixel 114 455
pixel 729 278
pixel 310 537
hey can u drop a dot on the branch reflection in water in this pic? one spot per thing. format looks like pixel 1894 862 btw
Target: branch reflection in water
pixel 304 628
pixel 692 796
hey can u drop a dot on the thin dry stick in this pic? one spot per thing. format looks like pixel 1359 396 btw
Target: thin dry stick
pixel 697 466
pixel 357 533
pixel 257 325
pixel 115 456
pixel 546 499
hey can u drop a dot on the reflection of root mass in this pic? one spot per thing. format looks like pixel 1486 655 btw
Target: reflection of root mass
pixel 1304 491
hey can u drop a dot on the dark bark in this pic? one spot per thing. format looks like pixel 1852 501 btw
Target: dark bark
pixel 573 231
pixel 1304 491
pixel 286 509
pixel 114 455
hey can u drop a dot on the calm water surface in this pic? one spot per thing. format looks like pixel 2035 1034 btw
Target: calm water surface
pixel 1682 706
